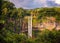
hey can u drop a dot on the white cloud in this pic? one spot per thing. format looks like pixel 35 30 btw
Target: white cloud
pixel 32 3
pixel 40 3
pixel 57 1
pixel 21 3
pixel 50 0
pixel 29 3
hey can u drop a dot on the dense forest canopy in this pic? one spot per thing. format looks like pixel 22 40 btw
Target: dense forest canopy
pixel 9 11
pixel 12 20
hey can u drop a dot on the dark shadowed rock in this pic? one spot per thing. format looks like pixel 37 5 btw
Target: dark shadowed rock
pixel 1 26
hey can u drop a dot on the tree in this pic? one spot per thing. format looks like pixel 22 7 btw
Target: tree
pixel 21 14
pixel 7 12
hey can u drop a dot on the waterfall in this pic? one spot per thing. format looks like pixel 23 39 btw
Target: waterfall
pixel 29 26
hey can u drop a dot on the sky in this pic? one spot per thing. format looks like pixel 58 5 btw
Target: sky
pixel 57 1
pixel 30 4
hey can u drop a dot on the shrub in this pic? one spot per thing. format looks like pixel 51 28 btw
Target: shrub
pixel 45 36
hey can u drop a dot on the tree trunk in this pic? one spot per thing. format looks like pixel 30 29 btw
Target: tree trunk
pixel 15 25
pixel 19 25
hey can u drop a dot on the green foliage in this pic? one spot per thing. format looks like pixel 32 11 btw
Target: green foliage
pixel 48 37
pixel 10 37
pixel 45 36
pixel 10 15
pixel 48 12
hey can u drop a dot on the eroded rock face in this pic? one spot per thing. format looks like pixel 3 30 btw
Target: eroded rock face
pixel 58 26
pixel 49 24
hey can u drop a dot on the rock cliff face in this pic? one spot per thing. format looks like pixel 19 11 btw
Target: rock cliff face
pixel 58 26
pixel 50 24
